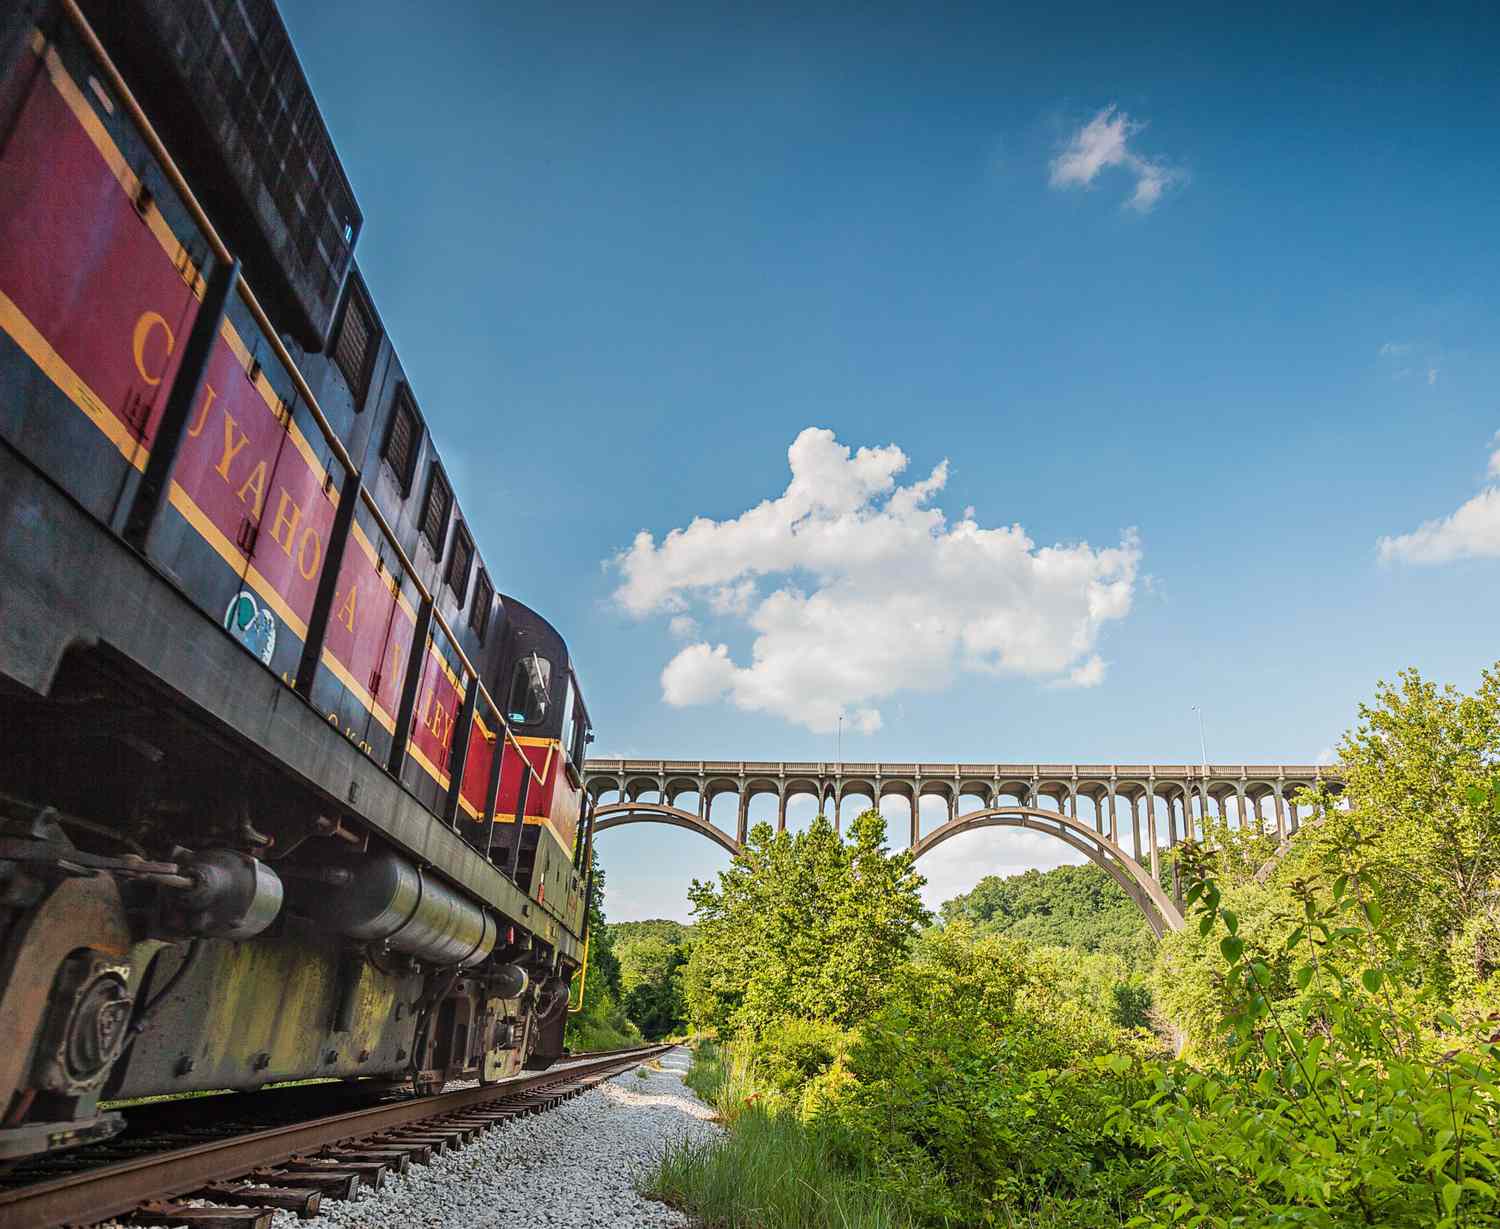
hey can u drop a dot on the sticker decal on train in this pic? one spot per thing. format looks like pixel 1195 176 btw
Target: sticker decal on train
pixel 252 625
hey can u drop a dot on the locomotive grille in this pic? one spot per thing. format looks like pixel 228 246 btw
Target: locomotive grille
pixel 484 598
pixel 435 515
pixel 401 443
pixel 238 62
pixel 458 562
pixel 354 348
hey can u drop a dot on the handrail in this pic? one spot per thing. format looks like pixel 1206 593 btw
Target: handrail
pixel 330 436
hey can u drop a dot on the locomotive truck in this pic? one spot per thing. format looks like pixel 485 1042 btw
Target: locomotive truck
pixel 288 788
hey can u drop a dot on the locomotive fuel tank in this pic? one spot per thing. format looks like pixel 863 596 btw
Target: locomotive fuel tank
pixel 387 900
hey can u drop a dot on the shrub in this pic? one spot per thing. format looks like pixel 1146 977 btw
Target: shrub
pixel 1335 1107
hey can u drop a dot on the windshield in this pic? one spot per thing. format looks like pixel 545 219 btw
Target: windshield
pixel 528 690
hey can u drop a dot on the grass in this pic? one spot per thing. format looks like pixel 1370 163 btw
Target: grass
pixel 769 1171
pixel 588 1033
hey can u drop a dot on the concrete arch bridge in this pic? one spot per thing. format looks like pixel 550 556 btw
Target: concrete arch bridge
pixel 1122 817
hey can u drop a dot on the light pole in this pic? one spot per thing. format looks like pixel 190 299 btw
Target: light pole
pixel 840 743
pixel 1203 795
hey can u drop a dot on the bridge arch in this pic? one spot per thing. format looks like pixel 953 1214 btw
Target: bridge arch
pixel 1160 913
pixel 618 814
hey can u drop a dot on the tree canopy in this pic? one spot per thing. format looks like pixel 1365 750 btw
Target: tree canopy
pixel 1078 907
pixel 806 924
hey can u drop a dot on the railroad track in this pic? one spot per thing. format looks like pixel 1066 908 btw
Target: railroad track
pixel 296 1166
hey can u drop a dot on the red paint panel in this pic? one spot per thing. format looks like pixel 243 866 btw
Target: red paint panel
pixel 438 704
pixel 553 798
pixel 370 631
pixel 538 794
pixel 482 750
pixel 84 268
pixel 254 485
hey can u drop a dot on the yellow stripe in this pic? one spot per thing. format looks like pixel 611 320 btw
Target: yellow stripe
pixel 115 160
pixel 538 742
pixel 509 817
pixel 442 662
pixel 66 379
pixel 275 404
pixel 337 669
pixel 432 769
pixel 369 550
pixel 77 391
pixel 39 350
pixel 232 555
pixel 464 802
pixel 130 182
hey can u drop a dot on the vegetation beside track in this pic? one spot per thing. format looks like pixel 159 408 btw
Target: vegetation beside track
pixel 1341 1021
pixel 602 1023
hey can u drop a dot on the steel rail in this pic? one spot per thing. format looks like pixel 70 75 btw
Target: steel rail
pixel 116 1189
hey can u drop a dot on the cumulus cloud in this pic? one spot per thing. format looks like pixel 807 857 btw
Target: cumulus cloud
pixel 1087 674
pixel 855 587
pixel 1104 142
pixel 1472 532
pixel 684 627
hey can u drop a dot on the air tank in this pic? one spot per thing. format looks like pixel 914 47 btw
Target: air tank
pixel 388 900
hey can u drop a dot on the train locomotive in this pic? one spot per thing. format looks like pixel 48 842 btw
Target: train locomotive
pixel 288 788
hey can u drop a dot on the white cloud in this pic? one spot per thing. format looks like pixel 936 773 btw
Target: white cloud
pixel 684 627
pixel 1432 375
pixel 1472 532
pixel 1087 674
pixel 870 591
pixel 1391 349
pixel 1327 756
pixel 1105 142
pixel 697 675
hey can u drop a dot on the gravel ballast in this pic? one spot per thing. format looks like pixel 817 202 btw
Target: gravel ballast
pixel 576 1166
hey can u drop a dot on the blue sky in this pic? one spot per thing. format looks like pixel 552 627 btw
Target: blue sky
pixel 1211 307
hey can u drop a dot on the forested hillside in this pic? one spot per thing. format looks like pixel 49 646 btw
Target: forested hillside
pixel 1069 906
pixel 652 956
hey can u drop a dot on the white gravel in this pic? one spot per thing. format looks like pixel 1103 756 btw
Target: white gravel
pixel 575 1166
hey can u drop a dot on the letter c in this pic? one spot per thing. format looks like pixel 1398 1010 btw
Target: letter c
pixel 144 327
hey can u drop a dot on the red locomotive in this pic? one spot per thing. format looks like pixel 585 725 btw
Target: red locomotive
pixel 287 788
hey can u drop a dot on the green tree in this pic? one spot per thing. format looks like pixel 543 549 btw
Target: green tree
pixel 1078 907
pixel 602 1023
pixel 1416 804
pixel 802 924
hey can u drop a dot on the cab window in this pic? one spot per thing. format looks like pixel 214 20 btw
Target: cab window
pixel 528 690
pixel 571 719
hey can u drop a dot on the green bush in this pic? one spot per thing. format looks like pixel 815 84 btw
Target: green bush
pixel 976 1095
pixel 793 1053
pixel 1130 1006
pixel 1356 1102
